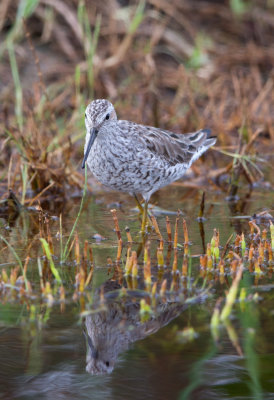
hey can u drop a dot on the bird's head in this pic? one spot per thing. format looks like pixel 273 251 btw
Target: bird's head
pixel 98 114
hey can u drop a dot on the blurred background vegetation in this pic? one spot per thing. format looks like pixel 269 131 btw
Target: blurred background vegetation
pixel 180 65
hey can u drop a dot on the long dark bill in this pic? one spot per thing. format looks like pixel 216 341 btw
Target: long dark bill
pixel 93 135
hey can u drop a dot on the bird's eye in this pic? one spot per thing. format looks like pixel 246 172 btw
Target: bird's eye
pixel 107 116
pixel 86 115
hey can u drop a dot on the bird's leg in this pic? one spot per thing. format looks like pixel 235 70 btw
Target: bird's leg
pixel 139 205
pixel 144 219
pixel 145 214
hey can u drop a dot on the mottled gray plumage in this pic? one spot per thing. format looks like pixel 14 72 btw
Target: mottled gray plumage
pixel 112 331
pixel 134 158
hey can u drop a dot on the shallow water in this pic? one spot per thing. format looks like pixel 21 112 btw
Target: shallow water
pixel 150 360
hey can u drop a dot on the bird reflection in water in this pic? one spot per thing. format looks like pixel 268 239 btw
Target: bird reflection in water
pixel 111 331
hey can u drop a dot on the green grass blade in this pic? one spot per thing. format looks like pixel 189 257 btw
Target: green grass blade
pixel 66 250
pixel 17 85
pixel 26 8
pixel 138 17
pixel 24 173
pixel 17 259
pixel 54 270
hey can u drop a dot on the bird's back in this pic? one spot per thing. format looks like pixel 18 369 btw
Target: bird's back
pixel 168 146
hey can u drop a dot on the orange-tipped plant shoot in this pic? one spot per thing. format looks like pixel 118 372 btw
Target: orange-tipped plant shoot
pixel 221 267
pixel 116 224
pixel 175 260
pixel 185 266
pixel 157 230
pixel 134 265
pixel 175 243
pixel 160 257
pixel 168 229
pixel 147 265
pixel 119 251
pixel 129 238
pixel 203 261
pixel 163 288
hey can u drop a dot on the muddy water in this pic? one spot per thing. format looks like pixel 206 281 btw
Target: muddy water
pixel 112 355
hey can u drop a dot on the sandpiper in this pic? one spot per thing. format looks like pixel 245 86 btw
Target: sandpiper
pixel 134 158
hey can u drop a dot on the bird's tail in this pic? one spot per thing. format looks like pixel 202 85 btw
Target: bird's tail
pixel 199 142
pixel 202 137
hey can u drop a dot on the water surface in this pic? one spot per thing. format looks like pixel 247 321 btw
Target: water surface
pixel 55 358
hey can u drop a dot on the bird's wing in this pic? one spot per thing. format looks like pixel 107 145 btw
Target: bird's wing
pixel 175 148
